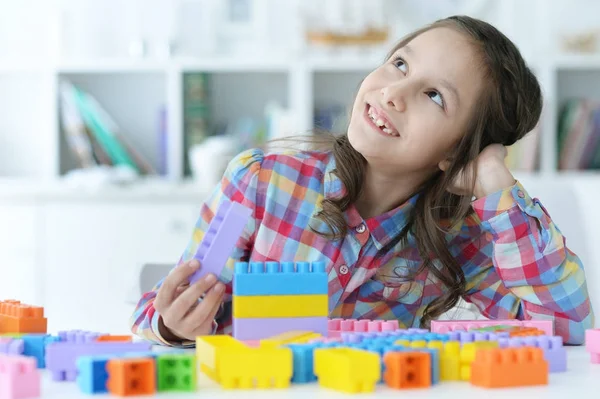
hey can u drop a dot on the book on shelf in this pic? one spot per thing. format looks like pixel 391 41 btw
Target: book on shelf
pixel 92 134
pixel 579 135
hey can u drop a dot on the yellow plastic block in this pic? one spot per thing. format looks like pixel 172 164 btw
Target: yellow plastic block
pixel 347 370
pixel 450 361
pixel 402 342
pixel 280 306
pixel 209 350
pixel 467 356
pixel 256 368
pixel 290 337
pixel 418 344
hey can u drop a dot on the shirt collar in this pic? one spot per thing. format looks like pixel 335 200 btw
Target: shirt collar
pixel 383 228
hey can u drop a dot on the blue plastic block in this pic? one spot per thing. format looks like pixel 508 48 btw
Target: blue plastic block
pixel 273 278
pixel 223 233
pixel 302 355
pixel 92 374
pixel 35 346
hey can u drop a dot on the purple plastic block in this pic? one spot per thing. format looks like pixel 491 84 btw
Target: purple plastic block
pixel 465 336
pixel 78 336
pixel 61 357
pixel 223 233
pixel 261 328
pixel 9 346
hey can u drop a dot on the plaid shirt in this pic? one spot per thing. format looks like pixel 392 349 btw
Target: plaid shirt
pixel 514 257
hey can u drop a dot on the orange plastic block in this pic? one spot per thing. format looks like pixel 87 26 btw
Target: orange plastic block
pixel 16 317
pixel 129 377
pixel 407 369
pixel 509 367
pixel 525 332
pixel 114 338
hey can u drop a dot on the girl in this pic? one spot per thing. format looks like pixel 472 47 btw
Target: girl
pixel 413 208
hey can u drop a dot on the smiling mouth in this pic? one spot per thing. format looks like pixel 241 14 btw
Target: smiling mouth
pixel 381 122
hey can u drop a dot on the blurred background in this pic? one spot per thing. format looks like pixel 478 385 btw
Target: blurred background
pixel 118 117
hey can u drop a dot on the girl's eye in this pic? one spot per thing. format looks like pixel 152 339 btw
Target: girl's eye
pixel 400 64
pixel 436 97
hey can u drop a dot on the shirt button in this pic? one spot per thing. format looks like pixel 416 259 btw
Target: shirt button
pixel 344 270
pixel 361 228
pixel 521 194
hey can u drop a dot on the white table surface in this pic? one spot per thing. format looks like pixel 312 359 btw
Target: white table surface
pixel 581 380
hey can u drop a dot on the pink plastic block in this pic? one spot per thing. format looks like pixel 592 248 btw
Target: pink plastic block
pixel 19 377
pixel 9 346
pixel 61 357
pixel 335 327
pixel 223 233
pixel 446 326
pixel 262 328
pixel 592 344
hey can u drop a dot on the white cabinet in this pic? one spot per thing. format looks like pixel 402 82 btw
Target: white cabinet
pixel 18 252
pixel 93 251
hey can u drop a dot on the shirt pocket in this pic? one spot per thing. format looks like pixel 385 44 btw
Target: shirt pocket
pixel 393 282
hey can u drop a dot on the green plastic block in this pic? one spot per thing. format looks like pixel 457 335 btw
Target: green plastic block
pixel 12 335
pixel 176 373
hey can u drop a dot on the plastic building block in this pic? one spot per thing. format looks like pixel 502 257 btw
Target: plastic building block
pixel 592 344
pixel 61 356
pixel 347 370
pixel 16 317
pixel 92 374
pixel 432 352
pixel 554 351
pixel 34 345
pixel 209 349
pixel 78 336
pixel 217 244
pixel 303 354
pixel 407 370
pixel 445 326
pixel 273 278
pixel 260 328
pixel 290 337
pixel 19 377
pixel 450 362
pixel 129 377
pixel 176 372
pixel 276 306
pixel 255 368
pixel 114 338
pixel 467 356
pixel 10 346
pixel 509 367
pixel 337 326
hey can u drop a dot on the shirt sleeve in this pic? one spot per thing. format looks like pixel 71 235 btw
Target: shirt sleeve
pixel 520 267
pixel 239 184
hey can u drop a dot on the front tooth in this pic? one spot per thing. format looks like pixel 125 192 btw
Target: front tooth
pixel 387 130
pixel 380 122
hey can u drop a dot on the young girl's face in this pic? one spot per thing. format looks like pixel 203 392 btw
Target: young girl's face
pixel 411 111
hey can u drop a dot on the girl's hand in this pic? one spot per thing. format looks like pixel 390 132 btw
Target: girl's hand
pixel 492 173
pixel 182 316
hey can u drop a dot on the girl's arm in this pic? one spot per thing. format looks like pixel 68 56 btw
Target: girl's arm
pixel 239 184
pixel 520 266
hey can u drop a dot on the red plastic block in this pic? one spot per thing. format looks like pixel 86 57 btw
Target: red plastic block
pixel 407 369
pixel 19 377
pixel 445 326
pixel 592 344
pixel 509 367
pixel 129 377
pixel 336 327
pixel 16 317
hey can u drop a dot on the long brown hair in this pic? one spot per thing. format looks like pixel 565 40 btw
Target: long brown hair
pixel 508 108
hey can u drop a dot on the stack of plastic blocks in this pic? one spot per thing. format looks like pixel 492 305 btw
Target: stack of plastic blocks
pixel 16 317
pixel 137 373
pixel 61 356
pixel 19 377
pixel 592 344
pixel 437 326
pixel 270 298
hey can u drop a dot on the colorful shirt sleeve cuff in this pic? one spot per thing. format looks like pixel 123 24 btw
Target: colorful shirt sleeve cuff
pixel 497 203
pixel 179 344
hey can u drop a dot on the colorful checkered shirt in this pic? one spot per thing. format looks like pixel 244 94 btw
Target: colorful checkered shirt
pixel 514 257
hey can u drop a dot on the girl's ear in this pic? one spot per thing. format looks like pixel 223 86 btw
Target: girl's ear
pixel 444 164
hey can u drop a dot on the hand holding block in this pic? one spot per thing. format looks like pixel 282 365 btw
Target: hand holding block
pixel 223 233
